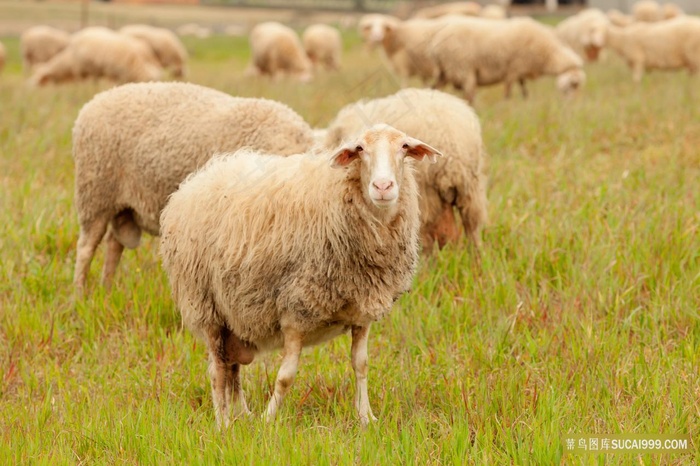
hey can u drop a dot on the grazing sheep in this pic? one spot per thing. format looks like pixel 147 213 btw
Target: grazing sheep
pixel 373 28
pixel 473 52
pixel 276 51
pixel 618 18
pixel 323 45
pixel 134 144
pixel 98 52
pixel 3 57
pixel 647 10
pixel 194 29
pixel 493 12
pixel 671 10
pixel 445 9
pixel 39 44
pixel 455 181
pixel 584 32
pixel 166 46
pixel 665 45
pixel 291 252
pixel 408 46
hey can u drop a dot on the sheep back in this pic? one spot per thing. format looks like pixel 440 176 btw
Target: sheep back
pixel 134 144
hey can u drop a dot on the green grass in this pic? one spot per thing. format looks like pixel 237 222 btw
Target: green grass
pixel 581 318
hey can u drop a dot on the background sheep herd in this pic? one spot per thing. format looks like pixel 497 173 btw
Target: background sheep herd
pixel 557 288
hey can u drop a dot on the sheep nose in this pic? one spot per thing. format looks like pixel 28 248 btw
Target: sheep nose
pixel 383 186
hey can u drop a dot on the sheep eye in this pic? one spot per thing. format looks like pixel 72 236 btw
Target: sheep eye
pixel 405 147
pixel 359 149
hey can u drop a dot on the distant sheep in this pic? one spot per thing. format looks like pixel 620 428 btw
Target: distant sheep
pixel 444 9
pixel 373 28
pixel 39 44
pixel 3 57
pixel 666 45
pixel 618 18
pixel 671 10
pixel 98 52
pixel 291 252
pixel 277 51
pixel 166 46
pixel 194 29
pixel 134 144
pixel 493 11
pixel 473 52
pixel 584 32
pixel 647 10
pixel 456 181
pixel 323 46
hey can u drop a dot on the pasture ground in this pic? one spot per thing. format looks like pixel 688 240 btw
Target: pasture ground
pixel 581 318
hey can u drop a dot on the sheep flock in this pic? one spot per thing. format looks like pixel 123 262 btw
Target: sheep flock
pixel 276 235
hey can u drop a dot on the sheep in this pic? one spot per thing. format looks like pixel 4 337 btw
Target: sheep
pixel 647 10
pixel 493 12
pixel 618 18
pixel 39 44
pixel 291 252
pixel 134 144
pixel 671 10
pixel 166 46
pixel 100 52
pixel 444 9
pixel 3 57
pixel 584 32
pixel 455 181
pixel 276 50
pixel 665 45
pixel 373 27
pixel 323 45
pixel 194 29
pixel 472 51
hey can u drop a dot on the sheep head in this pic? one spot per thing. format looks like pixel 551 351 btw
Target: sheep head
pixel 381 151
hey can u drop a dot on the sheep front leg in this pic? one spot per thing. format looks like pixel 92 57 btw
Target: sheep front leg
pixel 287 372
pixel 360 335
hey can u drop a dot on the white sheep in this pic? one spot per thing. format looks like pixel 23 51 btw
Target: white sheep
pixel 323 45
pixel 456 181
pixel 584 32
pixel 618 18
pixel 664 45
pixel 194 29
pixel 473 52
pixel 671 10
pixel 647 10
pixel 445 9
pixel 98 52
pixel 373 27
pixel 39 44
pixel 277 51
pixel 3 57
pixel 134 144
pixel 493 11
pixel 291 252
pixel 166 46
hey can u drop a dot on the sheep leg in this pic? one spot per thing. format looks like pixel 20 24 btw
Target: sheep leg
pixel 112 256
pixel 287 372
pixel 469 87
pixel 360 335
pixel 221 375
pixel 523 88
pixel 89 239
pixel 637 71
pixel 240 407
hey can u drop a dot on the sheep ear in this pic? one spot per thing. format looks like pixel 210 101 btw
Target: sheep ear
pixel 344 156
pixel 420 150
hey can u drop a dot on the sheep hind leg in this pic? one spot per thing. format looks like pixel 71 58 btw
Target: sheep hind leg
pixel 124 233
pixel 221 375
pixel 113 254
pixel 287 372
pixel 360 336
pixel 89 239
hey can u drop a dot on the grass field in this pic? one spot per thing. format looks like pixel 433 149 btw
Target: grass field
pixel 583 316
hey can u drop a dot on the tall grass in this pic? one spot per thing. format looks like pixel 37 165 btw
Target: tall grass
pixel 582 316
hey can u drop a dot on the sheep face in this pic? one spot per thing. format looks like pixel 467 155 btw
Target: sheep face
pixel 374 28
pixel 570 81
pixel 381 150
